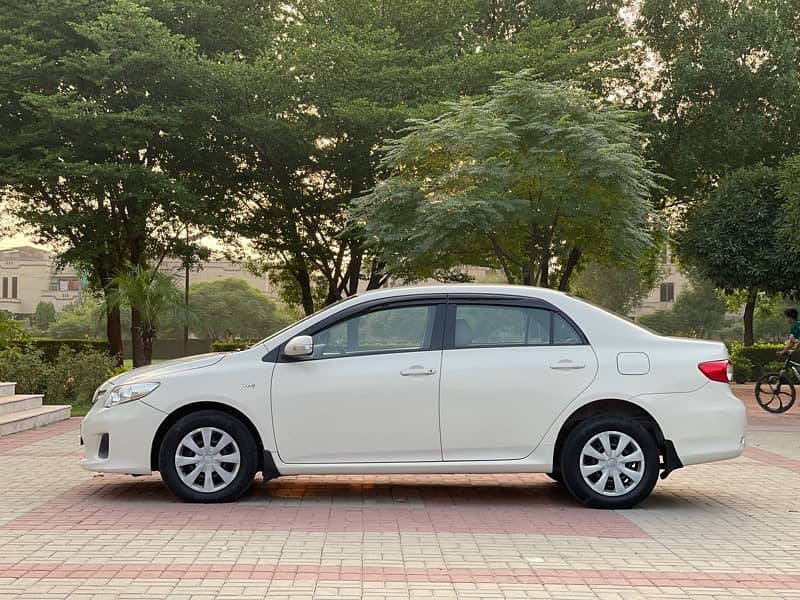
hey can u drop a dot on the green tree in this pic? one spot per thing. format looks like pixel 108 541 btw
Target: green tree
pixel 732 239
pixel 233 307
pixel 151 296
pixel 78 320
pixel 100 118
pixel 44 314
pixel 789 191
pixel 531 179
pixel 617 288
pixel 699 311
pixel 349 75
pixel 725 89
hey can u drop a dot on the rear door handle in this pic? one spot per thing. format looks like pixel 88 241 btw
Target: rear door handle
pixel 417 371
pixel 567 365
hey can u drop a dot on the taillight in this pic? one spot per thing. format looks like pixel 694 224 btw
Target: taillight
pixel 717 370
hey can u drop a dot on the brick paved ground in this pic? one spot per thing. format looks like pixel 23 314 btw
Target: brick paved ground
pixel 725 530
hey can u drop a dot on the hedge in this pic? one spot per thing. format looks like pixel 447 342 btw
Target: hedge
pixel 70 378
pixel 231 346
pixel 51 347
pixel 761 358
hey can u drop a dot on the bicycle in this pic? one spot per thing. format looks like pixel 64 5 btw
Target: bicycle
pixel 778 387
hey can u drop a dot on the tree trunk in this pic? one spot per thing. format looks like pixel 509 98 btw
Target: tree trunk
pixel 114 335
pixel 137 343
pixel 147 347
pixel 501 257
pixel 544 269
pixel 354 269
pixel 186 301
pixel 569 268
pixel 303 279
pixel 749 311
pixel 377 276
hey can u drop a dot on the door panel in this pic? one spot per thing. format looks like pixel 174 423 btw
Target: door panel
pixel 358 409
pixel 497 403
pixel 504 383
pixel 370 392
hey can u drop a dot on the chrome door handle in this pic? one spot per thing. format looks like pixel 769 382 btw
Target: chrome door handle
pixel 567 365
pixel 417 371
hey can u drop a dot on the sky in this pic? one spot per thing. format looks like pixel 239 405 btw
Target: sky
pixel 16 240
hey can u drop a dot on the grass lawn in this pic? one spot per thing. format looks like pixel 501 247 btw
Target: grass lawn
pixel 128 362
pixel 80 410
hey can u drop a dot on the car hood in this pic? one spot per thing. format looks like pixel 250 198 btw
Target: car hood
pixel 163 369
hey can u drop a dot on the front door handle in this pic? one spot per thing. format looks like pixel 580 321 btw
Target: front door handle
pixel 417 371
pixel 567 365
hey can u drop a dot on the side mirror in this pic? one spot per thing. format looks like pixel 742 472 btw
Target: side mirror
pixel 301 345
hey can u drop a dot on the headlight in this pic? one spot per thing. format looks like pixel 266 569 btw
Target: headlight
pixel 125 393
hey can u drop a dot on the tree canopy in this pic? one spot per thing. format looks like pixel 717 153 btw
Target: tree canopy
pixel 529 179
pixel 232 308
pixel 100 145
pixel 725 87
pixel 732 237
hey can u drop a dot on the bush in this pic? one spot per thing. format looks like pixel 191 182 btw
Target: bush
pixel 74 376
pixel 50 348
pixel 231 346
pixel 761 357
pixel 742 369
pixel 71 378
pixel 25 367
pixel 771 367
pixel 12 332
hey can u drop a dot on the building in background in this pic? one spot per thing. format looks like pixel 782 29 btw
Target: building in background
pixel 663 295
pixel 29 275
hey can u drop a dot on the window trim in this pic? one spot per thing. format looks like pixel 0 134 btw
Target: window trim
pixel 438 302
pixel 450 321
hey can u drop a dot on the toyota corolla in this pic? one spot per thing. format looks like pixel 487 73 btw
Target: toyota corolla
pixel 446 379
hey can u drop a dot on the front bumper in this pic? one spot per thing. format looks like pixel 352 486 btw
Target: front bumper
pixel 119 439
pixel 706 425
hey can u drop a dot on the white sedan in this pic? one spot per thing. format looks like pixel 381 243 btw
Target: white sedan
pixel 445 379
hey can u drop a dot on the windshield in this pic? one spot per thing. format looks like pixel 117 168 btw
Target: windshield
pixel 303 320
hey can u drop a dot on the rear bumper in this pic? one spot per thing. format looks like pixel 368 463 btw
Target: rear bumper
pixel 118 439
pixel 706 425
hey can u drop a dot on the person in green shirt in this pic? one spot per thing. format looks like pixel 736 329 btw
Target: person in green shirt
pixel 794 332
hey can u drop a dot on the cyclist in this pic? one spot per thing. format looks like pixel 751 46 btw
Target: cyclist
pixel 794 332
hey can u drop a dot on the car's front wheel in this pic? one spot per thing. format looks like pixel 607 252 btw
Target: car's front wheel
pixel 208 456
pixel 610 463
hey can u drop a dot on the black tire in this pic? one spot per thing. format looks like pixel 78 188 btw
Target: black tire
pixel 775 393
pixel 572 459
pixel 555 476
pixel 219 422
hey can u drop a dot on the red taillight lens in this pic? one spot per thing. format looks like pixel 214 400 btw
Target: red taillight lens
pixel 717 370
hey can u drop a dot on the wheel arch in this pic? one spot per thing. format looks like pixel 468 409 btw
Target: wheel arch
pixel 610 407
pixel 187 409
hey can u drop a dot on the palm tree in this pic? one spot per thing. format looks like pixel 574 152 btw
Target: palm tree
pixel 150 295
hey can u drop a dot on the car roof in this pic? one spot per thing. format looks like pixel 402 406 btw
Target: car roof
pixel 523 291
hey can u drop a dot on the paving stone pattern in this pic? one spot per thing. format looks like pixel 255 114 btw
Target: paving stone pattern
pixel 723 530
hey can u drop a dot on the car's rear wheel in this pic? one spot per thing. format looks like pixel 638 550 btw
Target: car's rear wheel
pixel 208 456
pixel 610 463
